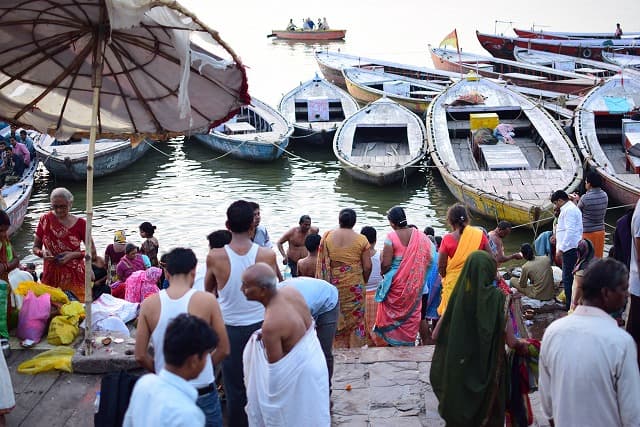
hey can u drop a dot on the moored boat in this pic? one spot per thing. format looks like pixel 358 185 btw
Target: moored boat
pixel 67 160
pixel 519 74
pixel 316 108
pixel 380 144
pixel 499 180
pixel 502 46
pixel 257 133
pixel 368 85
pixel 606 136
pixel 573 64
pixel 622 60
pixel 559 35
pixel 313 35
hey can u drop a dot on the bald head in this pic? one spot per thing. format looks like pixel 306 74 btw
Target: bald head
pixel 260 275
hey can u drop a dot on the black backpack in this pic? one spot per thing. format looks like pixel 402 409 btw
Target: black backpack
pixel 115 393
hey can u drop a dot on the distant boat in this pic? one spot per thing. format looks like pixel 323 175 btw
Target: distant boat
pixel 573 64
pixel 518 73
pixel 502 46
pixel 501 181
pixel 380 144
pixel 313 35
pixel 367 86
pixel 559 35
pixel 622 60
pixel 316 108
pixel 67 160
pixel 605 136
pixel 16 195
pixel 257 133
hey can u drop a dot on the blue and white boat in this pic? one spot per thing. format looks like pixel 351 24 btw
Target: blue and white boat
pixel 257 133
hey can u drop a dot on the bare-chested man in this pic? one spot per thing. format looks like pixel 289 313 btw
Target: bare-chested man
pixel 296 249
pixel 241 317
pixel 497 247
pixel 307 265
pixel 286 370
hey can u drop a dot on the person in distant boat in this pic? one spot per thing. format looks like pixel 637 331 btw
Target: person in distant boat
pixel 26 140
pixel 291 26
pixel 6 162
pixel 320 27
pixel 310 24
pixel 325 26
pixel 618 33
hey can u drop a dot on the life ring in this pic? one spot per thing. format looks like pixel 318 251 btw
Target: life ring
pixel 586 53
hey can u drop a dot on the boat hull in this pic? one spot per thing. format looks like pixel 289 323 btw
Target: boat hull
pixel 104 163
pixel 380 179
pixel 309 35
pixel 304 136
pixel 365 96
pixel 254 151
pixel 17 196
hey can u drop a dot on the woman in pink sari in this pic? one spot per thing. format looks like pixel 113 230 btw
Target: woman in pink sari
pixel 405 260
pixel 58 239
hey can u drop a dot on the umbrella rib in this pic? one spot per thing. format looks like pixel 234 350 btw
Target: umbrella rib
pixel 122 95
pixel 142 100
pixel 77 61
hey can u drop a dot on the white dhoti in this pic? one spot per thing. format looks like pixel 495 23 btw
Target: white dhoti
pixel 294 391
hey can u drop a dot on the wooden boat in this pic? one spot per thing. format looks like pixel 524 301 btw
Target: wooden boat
pixel 67 160
pixel 622 60
pixel 502 47
pixel 534 76
pixel 380 144
pixel 573 64
pixel 315 109
pixel 367 86
pixel 561 35
pixel 603 135
pixel 14 196
pixel 257 133
pixel 314 35
pixel 510 182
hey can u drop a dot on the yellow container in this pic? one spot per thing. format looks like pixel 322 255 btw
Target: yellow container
pixel 483 120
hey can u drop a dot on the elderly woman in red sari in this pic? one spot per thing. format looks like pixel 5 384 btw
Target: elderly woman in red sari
pixel 405 260
pixel 58 239
pixel 455 249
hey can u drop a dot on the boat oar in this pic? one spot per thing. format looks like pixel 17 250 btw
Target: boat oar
pixel 271 35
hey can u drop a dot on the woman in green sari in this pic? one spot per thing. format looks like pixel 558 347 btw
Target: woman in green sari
pixel 468 372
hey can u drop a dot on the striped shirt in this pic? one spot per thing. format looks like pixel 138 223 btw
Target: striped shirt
pixel 593 205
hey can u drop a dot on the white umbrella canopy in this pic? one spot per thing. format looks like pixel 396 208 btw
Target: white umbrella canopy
pixel 113 68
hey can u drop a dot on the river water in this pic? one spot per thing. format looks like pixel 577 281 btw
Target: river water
pixel 182 189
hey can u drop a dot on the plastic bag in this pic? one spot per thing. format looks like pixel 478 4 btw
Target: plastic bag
pixel 33 317
pixel 74 308
pixel 57 358
pixel 108 305
pixel 63 330
pixel 57 295
pixel 17 276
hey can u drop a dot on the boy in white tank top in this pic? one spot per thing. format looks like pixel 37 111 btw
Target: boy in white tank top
pixel 158 310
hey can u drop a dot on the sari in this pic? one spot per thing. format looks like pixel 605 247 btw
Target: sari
pixel 349 279
pixel 470 240
pixel 127 266
pixel 141 284
pixel 150 248
pixel 468 367
pixel 400 293
pixel 57 238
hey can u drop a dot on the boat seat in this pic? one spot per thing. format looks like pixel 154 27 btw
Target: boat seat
pixel 503 157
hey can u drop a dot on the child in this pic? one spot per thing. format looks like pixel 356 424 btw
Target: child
pixel 371 306
pixel 307 265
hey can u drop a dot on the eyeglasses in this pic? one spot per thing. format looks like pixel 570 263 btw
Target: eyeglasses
pixel 59 206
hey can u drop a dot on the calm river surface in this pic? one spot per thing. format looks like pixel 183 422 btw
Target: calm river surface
pixel 181 190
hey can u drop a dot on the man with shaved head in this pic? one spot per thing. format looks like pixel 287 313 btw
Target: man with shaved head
pixel 284 369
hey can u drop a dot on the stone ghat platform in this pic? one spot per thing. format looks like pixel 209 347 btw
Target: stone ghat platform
pixel 371 387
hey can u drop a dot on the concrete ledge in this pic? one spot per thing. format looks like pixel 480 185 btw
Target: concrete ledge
pixel 115 356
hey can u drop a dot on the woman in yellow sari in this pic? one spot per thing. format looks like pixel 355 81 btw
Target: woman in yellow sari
pixel 455 249
pixel 345 262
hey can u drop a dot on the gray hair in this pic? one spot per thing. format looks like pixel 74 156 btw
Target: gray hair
pixel 269 282
pixel 61 192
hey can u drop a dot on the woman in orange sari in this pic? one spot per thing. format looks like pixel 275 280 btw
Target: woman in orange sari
pixel 455 249
pixel 345 262
pixel 57 242
pixel 405 260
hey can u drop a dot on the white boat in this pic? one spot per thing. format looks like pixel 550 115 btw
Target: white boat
pixel 316 108
pixel 605 136
pixel 257 133
pixel 622 60
pixel 573 64
pixel 502 181
pixel 380 144
pixel 67 160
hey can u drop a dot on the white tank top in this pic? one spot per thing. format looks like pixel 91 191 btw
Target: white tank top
pixel 169 309
pixel 236 309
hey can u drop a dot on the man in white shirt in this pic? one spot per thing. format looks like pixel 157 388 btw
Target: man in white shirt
pixel 588 370
pixel 633 322
pixel 568 234
pixel 167 398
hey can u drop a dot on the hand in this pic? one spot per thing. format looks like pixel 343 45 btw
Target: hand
pixel 284 261
pixel 517 255
pixel 65 257
pixel 522 347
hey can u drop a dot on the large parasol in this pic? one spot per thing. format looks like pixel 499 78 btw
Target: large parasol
pixel 147 68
